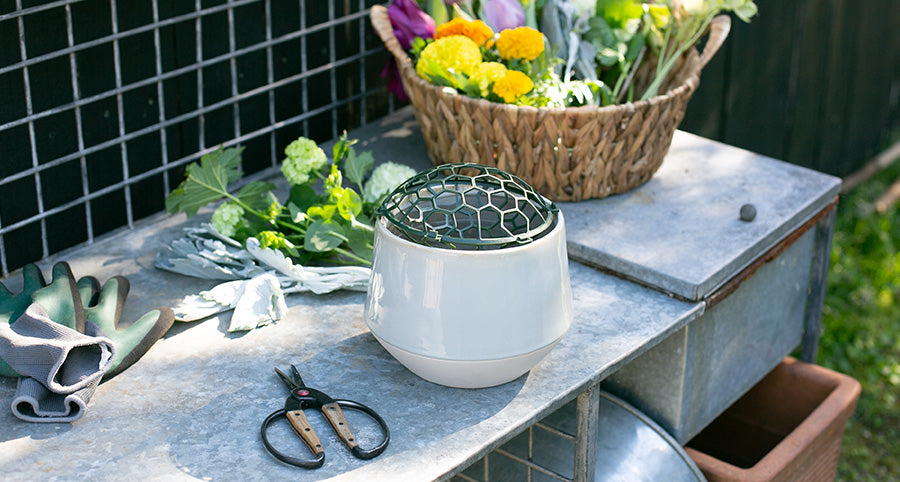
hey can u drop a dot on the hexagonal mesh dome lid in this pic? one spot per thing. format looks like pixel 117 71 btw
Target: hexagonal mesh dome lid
pixel 468 206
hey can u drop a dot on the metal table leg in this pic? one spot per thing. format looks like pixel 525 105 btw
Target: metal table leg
pixel 587 419
pixel 812 325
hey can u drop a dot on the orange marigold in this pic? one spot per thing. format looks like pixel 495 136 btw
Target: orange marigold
pixel 476 30
pixel 520 43
pixel 512 85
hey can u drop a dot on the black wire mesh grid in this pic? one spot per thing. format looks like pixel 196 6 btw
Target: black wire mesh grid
pixel 104 102
pixel 468 206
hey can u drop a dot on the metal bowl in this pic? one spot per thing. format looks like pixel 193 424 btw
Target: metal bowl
pixel 631 448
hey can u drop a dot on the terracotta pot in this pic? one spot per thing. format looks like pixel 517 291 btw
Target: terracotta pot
pixel 787 427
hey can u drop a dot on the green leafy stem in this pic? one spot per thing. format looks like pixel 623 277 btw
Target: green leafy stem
pixel 329 226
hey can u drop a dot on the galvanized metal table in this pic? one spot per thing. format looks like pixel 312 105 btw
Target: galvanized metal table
pixel 192 406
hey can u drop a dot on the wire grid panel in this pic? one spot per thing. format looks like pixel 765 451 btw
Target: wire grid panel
pixel 105 101
pixel 545 452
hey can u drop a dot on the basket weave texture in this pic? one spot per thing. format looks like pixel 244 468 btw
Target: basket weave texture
pixel 567 154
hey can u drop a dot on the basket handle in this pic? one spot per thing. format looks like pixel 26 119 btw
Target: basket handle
pixel 381 21
pixel 718 32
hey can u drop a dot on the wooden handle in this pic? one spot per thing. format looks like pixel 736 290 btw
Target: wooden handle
pixel 304 430
pixel 335 416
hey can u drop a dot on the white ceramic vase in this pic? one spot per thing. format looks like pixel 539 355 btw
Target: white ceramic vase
pixel 469 319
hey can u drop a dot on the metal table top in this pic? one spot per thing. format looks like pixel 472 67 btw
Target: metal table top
pixel 680 232
pixel 192 406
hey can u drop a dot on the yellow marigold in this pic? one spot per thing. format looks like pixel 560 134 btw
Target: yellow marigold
pixel 486 74
pixel 476 30
pixel 512 85
pixel 520 43
pixel 454 53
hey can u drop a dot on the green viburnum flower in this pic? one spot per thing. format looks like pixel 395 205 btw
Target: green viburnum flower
pixel 273 239
pixel 273 211
pixel 303 158
pixel 226 218
pixel 384 179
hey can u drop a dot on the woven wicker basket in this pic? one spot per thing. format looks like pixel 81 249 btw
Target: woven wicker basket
pixel 565 154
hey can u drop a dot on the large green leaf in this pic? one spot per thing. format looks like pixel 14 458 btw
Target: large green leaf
pixel 349 204
pixel 357 166
pixel 206 182
pixel 361 242
pixel 303 196
pixel 255 194
pixel 322 236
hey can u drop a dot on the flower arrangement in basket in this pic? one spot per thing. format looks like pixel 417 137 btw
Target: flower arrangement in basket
pixel 581 98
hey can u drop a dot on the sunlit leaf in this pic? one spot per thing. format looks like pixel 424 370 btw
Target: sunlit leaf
pixel 361 242
pixel 349 204
pixel 206 182
pixel 357 166
pixel 256 194
pixel 322 236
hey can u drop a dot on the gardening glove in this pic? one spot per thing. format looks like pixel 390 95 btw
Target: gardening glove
pixel 32 402
pixel 62 359
pixel 103 306
pixel 62 367
pixel 59 300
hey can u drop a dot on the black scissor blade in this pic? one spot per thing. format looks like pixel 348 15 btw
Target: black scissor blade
pixel 292 385
pixel 297 378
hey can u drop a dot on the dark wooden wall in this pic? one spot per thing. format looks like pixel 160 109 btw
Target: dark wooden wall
pixel 812 82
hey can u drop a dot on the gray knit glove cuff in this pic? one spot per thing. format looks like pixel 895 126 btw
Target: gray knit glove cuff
pixel 34 403
pixel 57 356
pixel 61 368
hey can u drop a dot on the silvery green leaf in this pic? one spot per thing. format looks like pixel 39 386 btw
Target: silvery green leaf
pixel 204 253
pixel 552 27
pixel 586 63
pixel 195 266
pixel 206 231
pixel 222 297
pixel 261 301
pixel 196 307
pixel 298 278
pixel 572 42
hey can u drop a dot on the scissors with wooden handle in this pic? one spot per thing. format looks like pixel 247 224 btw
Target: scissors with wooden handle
pixel 302 398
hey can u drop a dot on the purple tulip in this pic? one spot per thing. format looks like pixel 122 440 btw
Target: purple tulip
pixel 504 14
pixel 409 22
pixel 395 83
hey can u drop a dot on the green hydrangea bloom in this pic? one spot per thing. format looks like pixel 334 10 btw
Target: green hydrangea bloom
pixel 226 218
pixel 303 157
pixel 384 179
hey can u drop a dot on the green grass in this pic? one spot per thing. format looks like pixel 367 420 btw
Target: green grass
pixel 861 328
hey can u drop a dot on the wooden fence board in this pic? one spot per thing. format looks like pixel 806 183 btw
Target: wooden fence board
pixel 810 62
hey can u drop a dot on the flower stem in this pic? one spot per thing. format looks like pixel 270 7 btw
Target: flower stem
pixel 352 256
pixel 246 207
pixel 670 62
